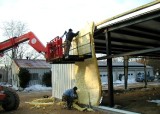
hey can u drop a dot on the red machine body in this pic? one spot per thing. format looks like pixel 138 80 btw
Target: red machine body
pixel 52 51
pixel 2 95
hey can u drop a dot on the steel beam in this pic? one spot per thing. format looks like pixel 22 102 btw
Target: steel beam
pixel 133 53
pixel 109 69
pixel 125 71
pixel 145 73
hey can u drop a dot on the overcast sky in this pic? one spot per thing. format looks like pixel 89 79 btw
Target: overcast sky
pixel 50 18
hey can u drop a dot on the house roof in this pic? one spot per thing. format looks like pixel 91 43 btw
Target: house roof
pixel 27 63
pixel 133 33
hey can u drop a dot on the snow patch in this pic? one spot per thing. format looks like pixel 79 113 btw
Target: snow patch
pixel 130 81
pixel 37 88
pixel 155 101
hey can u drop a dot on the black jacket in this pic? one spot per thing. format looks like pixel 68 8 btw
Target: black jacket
pixel 70 35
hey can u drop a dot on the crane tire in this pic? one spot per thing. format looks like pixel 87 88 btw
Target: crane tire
pixel 11 102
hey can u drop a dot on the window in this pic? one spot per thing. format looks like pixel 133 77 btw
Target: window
pixel 0 75
pixel 34 76
pixel 104 75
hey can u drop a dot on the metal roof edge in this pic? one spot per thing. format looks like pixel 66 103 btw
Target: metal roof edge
pixel 128 12
pixel 14 60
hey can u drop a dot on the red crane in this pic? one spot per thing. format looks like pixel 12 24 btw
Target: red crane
pixel 52 51
pixel 9 99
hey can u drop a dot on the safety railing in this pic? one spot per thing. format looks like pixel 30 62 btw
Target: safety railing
pixel 80 46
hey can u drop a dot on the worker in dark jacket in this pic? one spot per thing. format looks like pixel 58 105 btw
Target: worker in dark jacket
pixel 69 37
pixel 69 96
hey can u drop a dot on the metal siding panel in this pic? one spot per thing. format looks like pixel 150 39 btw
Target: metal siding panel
pixel 62 75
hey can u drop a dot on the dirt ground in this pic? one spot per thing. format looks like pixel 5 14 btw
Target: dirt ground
pixel 136 99
pixel 25 108
pixel 131 100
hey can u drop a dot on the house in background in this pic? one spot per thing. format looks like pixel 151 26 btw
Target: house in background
pixel 37 68
pixel 118 70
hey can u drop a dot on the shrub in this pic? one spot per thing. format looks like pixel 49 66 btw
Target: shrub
pixel 46 80
pixel 24 77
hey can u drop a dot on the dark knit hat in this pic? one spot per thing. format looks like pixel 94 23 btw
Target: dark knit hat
pixel 75 88
pixel 70 29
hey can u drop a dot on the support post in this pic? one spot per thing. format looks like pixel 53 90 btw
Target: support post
pixel 145 73
pixel 125 72
pixel 109 69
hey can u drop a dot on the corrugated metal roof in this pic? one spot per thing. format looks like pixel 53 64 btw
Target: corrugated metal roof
pixel 130 14
pixel 27 63
pixel 135 33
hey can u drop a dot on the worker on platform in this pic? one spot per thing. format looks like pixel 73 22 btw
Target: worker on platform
pixel 69 37
pixel 69 96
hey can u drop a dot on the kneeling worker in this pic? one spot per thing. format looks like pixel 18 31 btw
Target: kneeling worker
pixel 69 96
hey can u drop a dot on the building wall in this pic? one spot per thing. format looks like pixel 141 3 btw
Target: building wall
pixel 14 75
pixel 10 75
pixel 62 79
pixel 40 73
pixel 132 72
pixel 3 75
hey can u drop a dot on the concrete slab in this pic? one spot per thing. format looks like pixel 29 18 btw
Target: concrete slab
pixel 113 110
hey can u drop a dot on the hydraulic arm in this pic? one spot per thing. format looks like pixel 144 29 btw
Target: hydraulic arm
pixel 53 50
pixel 13 42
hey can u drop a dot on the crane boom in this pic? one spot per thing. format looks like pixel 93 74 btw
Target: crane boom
pixel 51 51
pixel 13 42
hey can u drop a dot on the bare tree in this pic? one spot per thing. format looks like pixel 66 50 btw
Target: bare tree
pixel 15 29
